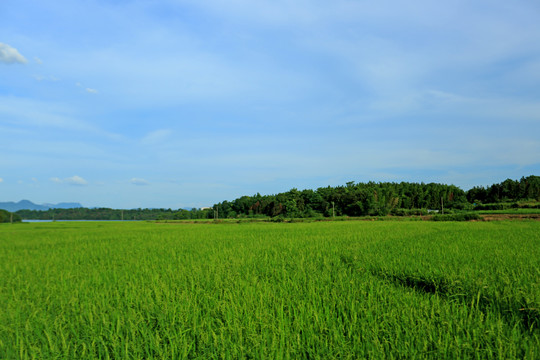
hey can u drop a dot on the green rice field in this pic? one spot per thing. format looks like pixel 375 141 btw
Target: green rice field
pixel 346 290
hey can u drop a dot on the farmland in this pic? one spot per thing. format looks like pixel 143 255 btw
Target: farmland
pixel 270 290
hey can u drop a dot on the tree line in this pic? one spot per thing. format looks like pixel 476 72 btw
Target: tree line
pixel 351 199
pixel 112 214
pixel 6 217
pixel 378 199
pixel 527 188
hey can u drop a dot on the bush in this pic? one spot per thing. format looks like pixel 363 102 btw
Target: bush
pixel 457 217
pixel 310 213
pixel 409 212
pixel 495 206
pixel 461 206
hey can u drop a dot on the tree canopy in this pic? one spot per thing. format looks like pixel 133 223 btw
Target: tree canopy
pixel 351 199
pixel 6 216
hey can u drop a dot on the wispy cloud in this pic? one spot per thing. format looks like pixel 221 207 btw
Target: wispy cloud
pixel 87 89
pixel 259 94
pixel 46 78
pixel 156 136
pixel 74 180
pixel 139 182
pixel 1 180
pixel 37 114
pixel 10 55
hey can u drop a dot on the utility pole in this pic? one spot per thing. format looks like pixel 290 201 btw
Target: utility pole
pixel 11 218
pixel 442 205
pixel 122 215
pixel 333 210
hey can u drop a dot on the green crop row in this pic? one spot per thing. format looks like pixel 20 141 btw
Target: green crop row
pixel 317 290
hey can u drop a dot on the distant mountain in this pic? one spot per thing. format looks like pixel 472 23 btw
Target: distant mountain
pixel 28 205
pixel 63 205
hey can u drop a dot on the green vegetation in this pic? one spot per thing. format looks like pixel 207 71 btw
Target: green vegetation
pixel 322 290
pixel 527 188
pixel 360 199
pixel 112 214
pixel 381 199
pixel 518 211
pixel 6 216
pixel 457 217
pixel 352 200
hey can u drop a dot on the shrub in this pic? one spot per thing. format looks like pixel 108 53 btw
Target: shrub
pixel 457 217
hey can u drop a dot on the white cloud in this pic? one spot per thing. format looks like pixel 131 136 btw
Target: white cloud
pixel 46 78
pixel 1 180
pixel 38 61
pixel 155 137
pixel 30 113
pixel 87 89
pixel 74 180
pixel 138 181
pixel 10 55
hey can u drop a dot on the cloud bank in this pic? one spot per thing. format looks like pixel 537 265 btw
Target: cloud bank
pixel 10 55
pixel 74 180
pixel 263 96
pixel 139 182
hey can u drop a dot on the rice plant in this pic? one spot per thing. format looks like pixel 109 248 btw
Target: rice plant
pixel 324 290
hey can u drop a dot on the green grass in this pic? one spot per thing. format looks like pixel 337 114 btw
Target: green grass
pixel 261 290
pixel 519 211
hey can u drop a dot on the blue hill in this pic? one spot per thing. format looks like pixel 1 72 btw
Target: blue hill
pixel 28 205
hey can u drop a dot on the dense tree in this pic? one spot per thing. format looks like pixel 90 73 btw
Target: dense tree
pixel 99 214
pixel 352 199
pixel 527 188
pixel 6 216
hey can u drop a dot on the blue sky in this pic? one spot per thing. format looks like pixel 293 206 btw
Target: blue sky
pixel 181 103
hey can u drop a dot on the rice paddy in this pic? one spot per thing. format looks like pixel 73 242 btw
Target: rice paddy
pixel 347 290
